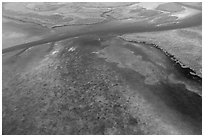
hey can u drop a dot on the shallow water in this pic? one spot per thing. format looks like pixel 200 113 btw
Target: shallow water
pixel 148 71
pixel 17 32
pixel 113 27
pixel 153 75
pixel 173 93
pixel 157 78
